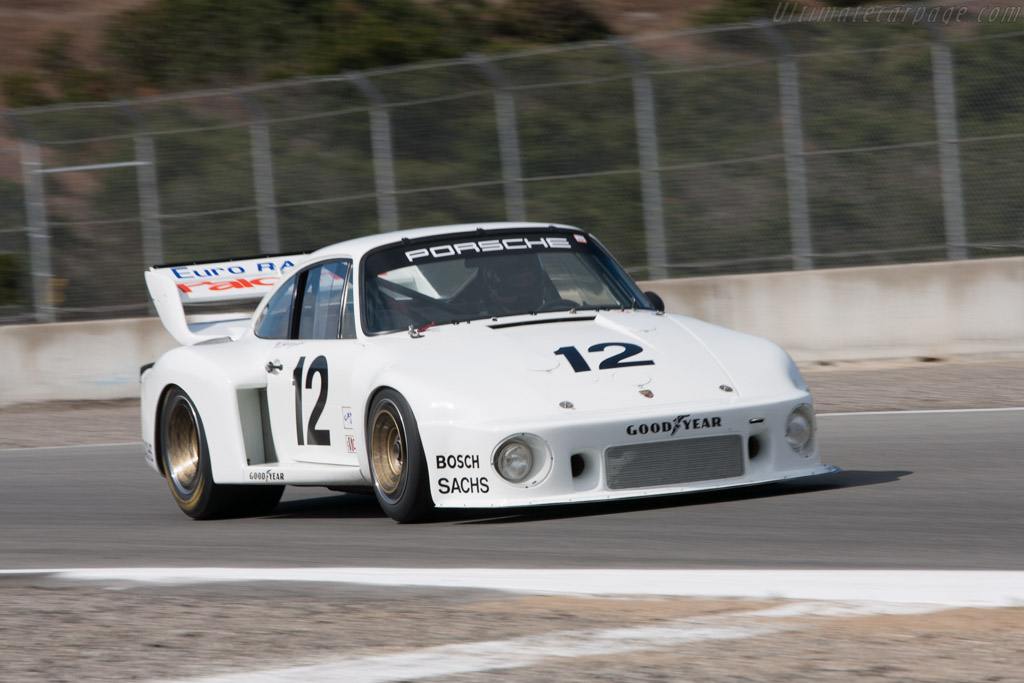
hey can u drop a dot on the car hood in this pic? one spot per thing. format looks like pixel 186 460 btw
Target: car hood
pixel 587 360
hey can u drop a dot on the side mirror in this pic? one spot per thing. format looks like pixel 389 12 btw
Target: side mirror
pixel 655 301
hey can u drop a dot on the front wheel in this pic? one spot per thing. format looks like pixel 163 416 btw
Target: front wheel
pixel 186 462
pixel 397 465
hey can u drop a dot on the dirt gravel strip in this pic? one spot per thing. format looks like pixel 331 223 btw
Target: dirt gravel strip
pixel 524 652
pixel 902 384
pixel 175 627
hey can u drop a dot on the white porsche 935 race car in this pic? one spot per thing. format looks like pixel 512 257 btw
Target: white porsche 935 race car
pixel 470 366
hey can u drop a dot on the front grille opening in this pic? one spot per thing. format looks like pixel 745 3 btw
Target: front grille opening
pixel 753 447
pixel 669 463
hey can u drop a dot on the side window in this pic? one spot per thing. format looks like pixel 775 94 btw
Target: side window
pixel 275 320
pixel 321 306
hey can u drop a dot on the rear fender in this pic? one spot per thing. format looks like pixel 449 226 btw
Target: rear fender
pixel 220 397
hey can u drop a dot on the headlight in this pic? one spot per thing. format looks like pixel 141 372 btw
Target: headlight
pixel 800 429
pixel 514 461
pixel 522 459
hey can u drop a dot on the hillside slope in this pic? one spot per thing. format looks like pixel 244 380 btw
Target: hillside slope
pixel 26 24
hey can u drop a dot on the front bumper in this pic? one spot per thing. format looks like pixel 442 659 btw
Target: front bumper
pixel 609 457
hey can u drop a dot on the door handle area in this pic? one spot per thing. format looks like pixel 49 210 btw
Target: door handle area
pixel 274 367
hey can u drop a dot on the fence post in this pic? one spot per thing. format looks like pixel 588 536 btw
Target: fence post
pixel 645 115
pixel 38 231
pixel 949 145
pixel 149 200
pixel 383 153
pixel 262 154
pixel 149 190
pixel 37 227
pixel 793 147
pixel 508 139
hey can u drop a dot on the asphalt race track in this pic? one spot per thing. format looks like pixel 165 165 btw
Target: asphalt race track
pixel 918 491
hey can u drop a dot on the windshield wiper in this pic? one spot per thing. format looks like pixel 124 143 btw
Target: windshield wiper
pixel 417 332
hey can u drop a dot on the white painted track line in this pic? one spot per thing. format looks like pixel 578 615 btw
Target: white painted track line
pixel 58 449
pixel 936 411
pixel 937 587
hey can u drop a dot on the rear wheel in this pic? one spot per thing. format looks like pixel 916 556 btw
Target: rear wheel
pixel 399 469
pixel 186 462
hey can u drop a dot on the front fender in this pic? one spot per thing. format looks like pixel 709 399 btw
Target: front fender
pixel 758 366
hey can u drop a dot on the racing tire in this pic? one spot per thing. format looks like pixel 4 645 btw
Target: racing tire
pixel 185 457
pixel 397 465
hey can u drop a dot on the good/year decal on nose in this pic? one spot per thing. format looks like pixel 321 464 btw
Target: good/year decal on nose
pixel 618 360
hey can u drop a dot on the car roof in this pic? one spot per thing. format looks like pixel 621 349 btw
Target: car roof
pixel 360 245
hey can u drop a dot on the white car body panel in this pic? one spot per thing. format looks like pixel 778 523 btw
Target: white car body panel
pixel 472 384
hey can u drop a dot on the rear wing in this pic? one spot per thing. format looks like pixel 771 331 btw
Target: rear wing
pixel 245 280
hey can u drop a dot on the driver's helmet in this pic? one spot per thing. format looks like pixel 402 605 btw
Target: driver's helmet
pixel 514 283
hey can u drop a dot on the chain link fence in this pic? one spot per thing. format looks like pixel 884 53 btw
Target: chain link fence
pixel 740 148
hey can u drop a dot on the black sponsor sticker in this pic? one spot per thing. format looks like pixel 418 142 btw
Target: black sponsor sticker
pixel 472 245
pixel 685 423
pixel 457 462
pixel 507 244
pixel 265 475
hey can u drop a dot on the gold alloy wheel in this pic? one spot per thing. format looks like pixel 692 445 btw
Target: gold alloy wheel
pixel 387 449
pixel 183 446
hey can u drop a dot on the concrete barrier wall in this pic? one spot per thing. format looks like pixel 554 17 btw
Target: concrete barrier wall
pixel 921 309
pixel 73 361
pixel 928 309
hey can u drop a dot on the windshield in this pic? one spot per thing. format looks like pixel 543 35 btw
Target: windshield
pixel 457 278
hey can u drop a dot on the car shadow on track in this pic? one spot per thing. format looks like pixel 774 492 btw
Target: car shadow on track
pixel 329 506
pixel 838 480
pixel 357 506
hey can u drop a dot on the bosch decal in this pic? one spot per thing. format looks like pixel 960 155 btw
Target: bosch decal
pixel 484 246
pixel 458 462
pixel 350 444
pixel 685 422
